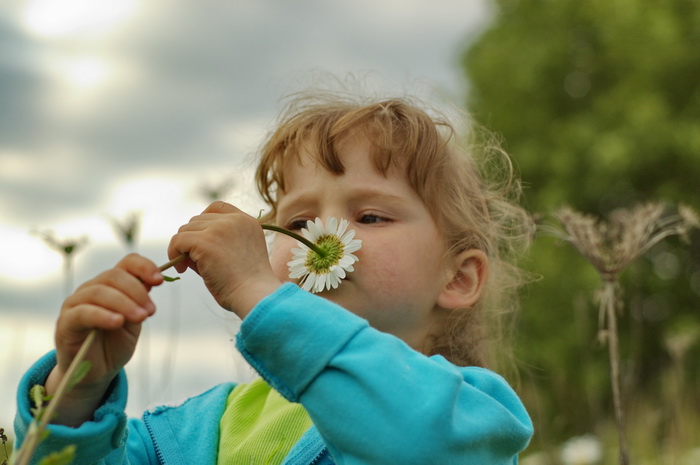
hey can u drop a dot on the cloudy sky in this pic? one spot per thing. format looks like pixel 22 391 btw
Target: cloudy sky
pixel 109 107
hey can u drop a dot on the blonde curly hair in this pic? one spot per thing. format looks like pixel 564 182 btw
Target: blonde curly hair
pixel 449 175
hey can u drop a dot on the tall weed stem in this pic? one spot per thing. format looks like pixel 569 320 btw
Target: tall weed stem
pixel 608 307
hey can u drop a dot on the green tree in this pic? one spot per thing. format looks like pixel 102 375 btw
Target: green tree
pixel 598 103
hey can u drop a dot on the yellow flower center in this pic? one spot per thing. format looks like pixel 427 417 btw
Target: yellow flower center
pixel 332 247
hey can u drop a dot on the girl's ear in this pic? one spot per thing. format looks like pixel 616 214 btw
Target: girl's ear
pixel 469 274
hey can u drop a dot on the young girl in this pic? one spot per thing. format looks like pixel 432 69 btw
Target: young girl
pixel 385 369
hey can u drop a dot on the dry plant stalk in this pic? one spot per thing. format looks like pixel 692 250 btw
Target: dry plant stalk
pixel 610 246
pixel 67 248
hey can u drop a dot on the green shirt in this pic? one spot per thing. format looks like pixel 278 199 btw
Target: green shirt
pixel 259 426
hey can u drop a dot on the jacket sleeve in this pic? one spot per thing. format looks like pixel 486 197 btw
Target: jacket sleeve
pixel 100 441
pixel 372 397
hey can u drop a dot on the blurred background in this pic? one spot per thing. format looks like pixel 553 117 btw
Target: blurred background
pixel 119 120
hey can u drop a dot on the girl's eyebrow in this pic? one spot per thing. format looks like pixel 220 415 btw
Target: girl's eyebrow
pixel 286 201
pixel 353 196
pixel 376 195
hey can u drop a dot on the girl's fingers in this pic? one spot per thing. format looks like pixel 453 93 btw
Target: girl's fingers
pixel 94 316
pixel 198 223
pixel 109 299
pixel 134 283
pixel 141 268
pixel 116 291
pixel 178 247
pixel 220 206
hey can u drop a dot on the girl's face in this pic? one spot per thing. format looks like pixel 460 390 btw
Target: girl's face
pixel 401 268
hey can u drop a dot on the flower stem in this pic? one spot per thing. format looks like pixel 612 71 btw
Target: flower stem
pixel 172 262
pixel 270 227
pixel 319 251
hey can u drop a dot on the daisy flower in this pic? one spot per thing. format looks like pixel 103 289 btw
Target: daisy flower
pixel 336 244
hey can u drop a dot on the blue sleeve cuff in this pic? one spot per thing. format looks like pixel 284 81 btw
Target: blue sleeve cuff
pixel 291 336
pixel 94 439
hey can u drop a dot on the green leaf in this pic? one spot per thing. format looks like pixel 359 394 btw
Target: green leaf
pixel 38 395
pixel 79 374
pixel 169 279
pixel 64 457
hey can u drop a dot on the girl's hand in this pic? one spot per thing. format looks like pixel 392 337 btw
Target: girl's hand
pixel 227 248
pixel 116 302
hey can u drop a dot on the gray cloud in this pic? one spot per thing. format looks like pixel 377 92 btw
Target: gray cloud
pixel 193 71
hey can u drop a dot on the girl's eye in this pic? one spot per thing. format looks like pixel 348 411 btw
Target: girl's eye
pixel 296 225
pixel 371 219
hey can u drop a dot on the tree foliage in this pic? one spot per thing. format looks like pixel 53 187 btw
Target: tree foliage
pixel 598 103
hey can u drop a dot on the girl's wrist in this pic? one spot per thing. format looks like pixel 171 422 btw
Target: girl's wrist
pixel 78 405
pixel 249 293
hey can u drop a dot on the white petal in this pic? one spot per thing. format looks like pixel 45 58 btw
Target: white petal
pixel 353 246
pixel 346 261
pixel 297 262
pixel 309 282
pixel 298 273
pixel 332 226
pixel 319 283
pixel 335 281
pixel 339 271
pixel 306 233
pixel 342 227
pixel 327 281
pixel 316 229
pixel 300 252
pixel 347 236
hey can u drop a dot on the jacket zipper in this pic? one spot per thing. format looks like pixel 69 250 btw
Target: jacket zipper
pixel 159 454
pixel 318 457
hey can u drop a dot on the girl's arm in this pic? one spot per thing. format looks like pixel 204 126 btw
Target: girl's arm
pixel 372 397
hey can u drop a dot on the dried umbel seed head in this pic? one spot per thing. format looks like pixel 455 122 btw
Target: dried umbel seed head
pixel 610 246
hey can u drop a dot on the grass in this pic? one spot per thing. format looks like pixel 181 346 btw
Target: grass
pixel 6 449
pixel 659 432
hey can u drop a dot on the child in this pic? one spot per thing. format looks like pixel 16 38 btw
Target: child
pixel 385 369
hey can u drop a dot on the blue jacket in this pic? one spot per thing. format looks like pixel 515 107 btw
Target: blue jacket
pixel 372 399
